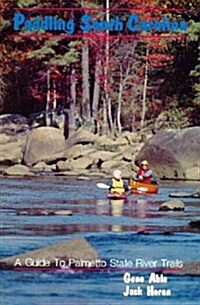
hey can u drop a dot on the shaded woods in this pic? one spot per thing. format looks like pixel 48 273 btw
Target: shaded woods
pixel 118 81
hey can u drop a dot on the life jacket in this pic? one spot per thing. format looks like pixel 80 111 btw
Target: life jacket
pixel 141 172
pixel 117 186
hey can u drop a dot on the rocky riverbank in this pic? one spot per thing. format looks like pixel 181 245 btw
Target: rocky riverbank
pixel 172 154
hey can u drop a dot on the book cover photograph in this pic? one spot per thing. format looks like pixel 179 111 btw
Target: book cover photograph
pixel 100 152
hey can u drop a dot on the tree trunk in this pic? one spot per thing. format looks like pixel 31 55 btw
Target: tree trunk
pixel 105 117
pixel 120 101
pixel 96 93
pixel 54 95
pixel 145 89
pixel 85 82
pixel 72 123
pixel 107 100
pixel 47 116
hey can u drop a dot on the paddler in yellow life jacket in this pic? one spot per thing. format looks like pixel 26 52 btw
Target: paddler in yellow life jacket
pixel 117 185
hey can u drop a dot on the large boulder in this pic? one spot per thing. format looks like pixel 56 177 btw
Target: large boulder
pixel 44 144
pixel 18 170
pixel 81 137
pixel 174 154
pixel 11 153
pixel 78 249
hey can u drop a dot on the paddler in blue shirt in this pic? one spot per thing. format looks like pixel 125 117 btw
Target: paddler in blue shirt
pixel 117 185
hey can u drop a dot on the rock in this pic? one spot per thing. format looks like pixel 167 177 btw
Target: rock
pixel 121 141
pixel 81 163
pixel 78 249
pixel 111 164
pixel 104 140
pixel 126 170
pixel 184 195
pixel 11 153
pixel 173 154
pixel 81 137
pixel 42 166
pixel 64 166
pixel 195 224
pixel 4 139
pixel 78 150
pixel 180 195
pixel 18 170
pixel 63 212
pixel 196 194
pixel 35 212
pixel 131 137
pixel 12 118
pixel 190 269
pixel 44 144
pixel 103 156
pixel 12 124
pixel 192 173
pixel 127 155
pixel 172 205
pixel 44 212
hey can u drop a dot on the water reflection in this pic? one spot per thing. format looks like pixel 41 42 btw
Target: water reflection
pixel 117 211
pixel 141 208
pixel 102 207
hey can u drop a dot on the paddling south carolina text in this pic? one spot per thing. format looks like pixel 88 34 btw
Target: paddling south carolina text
pixel 86 24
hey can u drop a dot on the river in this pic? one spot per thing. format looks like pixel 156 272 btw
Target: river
pixel 118 230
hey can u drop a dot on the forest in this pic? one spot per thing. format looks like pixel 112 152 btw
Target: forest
pixel 123 76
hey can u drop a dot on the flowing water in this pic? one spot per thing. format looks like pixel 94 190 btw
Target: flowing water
pixel 117 230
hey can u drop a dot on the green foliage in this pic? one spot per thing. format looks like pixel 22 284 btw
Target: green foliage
pixel 194 31
pixel 196 72
pixel 5 24
pixel 26 3
pixel 41 53
pixel 50 55
pixel 66 59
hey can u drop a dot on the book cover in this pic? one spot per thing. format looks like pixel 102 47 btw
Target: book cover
pixel 100 160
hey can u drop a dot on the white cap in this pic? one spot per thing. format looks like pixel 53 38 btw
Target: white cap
pixel 144 162
pixel 117 174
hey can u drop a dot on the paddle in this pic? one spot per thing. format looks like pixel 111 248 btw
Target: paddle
pixel 105 186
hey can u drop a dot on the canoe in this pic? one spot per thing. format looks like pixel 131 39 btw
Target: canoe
pixel 116 196
pixel 138 187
